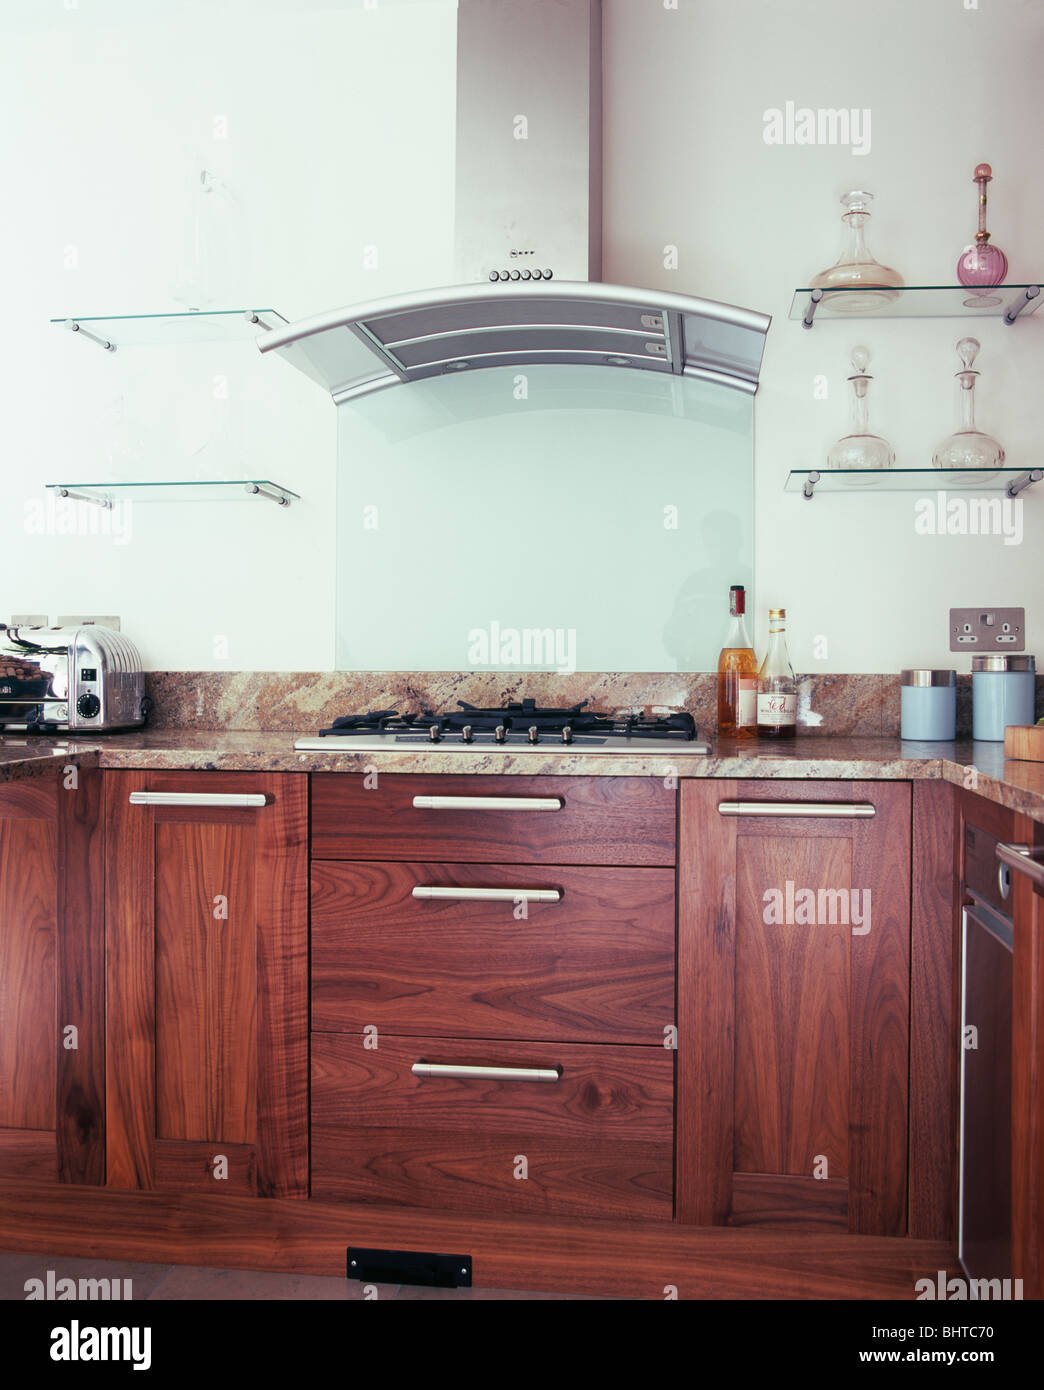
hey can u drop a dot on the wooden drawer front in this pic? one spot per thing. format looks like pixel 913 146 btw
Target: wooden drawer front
pixel 599 1141
pixel 601 820
pixel 596 966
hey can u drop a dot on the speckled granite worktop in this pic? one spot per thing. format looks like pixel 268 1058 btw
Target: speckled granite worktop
pixel 981 767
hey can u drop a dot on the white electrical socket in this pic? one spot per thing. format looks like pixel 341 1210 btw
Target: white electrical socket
pixel 988 629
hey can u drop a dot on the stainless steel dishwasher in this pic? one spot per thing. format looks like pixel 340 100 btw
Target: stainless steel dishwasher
pixel 984 1232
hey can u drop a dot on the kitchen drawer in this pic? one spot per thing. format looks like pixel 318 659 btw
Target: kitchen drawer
pixel 586 820
pixel 598 1141
pixel 596 966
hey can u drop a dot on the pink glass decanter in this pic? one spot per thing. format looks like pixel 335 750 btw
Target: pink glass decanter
pixel 982 263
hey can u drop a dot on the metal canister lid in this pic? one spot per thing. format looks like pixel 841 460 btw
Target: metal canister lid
pixel 920 675
pixel 1003 661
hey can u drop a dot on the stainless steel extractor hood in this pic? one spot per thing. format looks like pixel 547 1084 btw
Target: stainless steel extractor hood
pixel 528 236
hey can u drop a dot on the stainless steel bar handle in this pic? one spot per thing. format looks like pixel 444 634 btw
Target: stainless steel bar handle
pixel 487 803
pixel 197 799
pixel 490 895
pixel 455 1071
pixel 843 810
pixel 1020 858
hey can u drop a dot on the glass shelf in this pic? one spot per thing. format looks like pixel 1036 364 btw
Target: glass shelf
pixel 921 302
pixel 193 490
pixel 111 331
pixel 1011 481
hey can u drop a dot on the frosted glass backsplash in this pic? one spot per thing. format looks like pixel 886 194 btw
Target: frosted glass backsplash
pixel 564 518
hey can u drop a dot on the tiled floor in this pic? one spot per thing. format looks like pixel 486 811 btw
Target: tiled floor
pixel 193 1282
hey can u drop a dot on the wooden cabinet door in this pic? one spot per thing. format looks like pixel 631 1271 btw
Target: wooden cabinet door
pixel 207 961
pixel 793 1016
pixel 1027 1072
pixel 52 998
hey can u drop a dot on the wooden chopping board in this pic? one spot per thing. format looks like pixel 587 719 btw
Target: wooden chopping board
pixel 1025 741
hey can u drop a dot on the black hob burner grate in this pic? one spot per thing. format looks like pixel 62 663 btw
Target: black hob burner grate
pixel 518 722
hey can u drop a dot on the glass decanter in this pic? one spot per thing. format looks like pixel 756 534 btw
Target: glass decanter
pixel 856 268
pixel 861 449
pixel 967 447
pixel 980 263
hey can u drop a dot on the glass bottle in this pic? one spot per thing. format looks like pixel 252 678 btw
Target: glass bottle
pixel 967 447
pixel 861 449
pixel 980 263
pixel 737 674
pixel 855 267
pixel 777 688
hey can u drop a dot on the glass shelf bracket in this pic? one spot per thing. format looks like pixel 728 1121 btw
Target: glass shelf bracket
pixel 110 331
pixel 193 490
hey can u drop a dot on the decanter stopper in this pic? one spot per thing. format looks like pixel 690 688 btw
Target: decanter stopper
pixel 860 360
pixel 967 351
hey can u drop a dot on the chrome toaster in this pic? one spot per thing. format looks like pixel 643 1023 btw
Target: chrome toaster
pixel 73 679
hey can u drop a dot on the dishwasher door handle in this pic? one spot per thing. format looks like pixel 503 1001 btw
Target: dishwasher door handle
pixel 1021 859
pixel 198 799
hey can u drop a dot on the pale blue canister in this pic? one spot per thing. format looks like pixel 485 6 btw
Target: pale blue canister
pixel 1002 693
pixel 929 704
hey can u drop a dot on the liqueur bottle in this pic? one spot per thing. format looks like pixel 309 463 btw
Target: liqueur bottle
pixel 777 688
pixel 982 263
pixel 737 674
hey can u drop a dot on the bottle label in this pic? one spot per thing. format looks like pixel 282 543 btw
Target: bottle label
pixel 747 703
pixel 777 709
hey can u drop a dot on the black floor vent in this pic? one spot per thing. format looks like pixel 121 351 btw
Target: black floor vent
pixel 409 1267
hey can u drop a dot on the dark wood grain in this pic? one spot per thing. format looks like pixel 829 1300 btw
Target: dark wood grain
pixel 1027 1079
pixel 596 966
pixel 28 1155
pixel 706 1005
pixel 28 956
pixel 792 1012
pixel 434 1169
pixel 599 1140
pixel 793 1039
pixel 603 820
pixel 934 1054
pixel 880 1020
pixel 81 979
pixel 770 1199
pixel 281 895
pixel 208 1033
pixel 206 982
pixel 130 1029
pixel 633 1259
pixel 179 1165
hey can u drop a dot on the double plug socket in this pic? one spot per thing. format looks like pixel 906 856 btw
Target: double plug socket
pixel 988 629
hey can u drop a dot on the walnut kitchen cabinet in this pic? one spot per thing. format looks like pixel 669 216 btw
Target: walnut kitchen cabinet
pixel 206 965
pixel 1027 1060
pixel 52 998
pixel 493 970
pixel 793 1035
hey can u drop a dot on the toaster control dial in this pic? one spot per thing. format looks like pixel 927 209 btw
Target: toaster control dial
pixel 87 706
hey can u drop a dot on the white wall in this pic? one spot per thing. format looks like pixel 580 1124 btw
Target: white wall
pixel 333 125
pixel 686 164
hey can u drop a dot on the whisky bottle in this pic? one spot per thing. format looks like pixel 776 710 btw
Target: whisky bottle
pixel 737 674
pixel 777 688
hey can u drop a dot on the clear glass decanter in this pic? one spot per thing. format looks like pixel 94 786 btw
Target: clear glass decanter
pixel 856 268
pixel 980 263
pixel 967 447
pixel 861 449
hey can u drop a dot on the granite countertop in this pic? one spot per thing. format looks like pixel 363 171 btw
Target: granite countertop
pixel 981 767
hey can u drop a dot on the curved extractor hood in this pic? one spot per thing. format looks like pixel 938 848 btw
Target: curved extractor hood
pixel 353 351
pixel 528 236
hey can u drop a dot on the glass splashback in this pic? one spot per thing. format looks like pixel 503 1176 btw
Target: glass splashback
pixel 556 519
